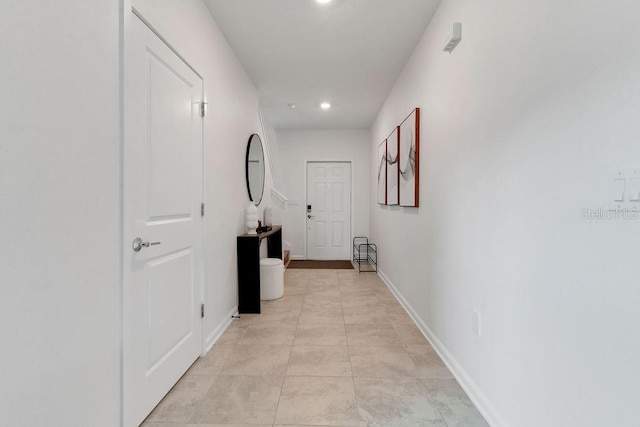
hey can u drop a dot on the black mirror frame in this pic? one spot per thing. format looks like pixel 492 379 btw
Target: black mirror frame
pixel 246 169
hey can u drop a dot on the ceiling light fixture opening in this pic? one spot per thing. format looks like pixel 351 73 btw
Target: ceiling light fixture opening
pixel 325 105
pixel 323 1
pixel 291 106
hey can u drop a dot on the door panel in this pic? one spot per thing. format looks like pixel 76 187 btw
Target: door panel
pixel 170 308
pixel 329 221
pixel 320 197
pixel 337 197
pixel 321 234
pixel 170 170
pixel 338 234
pixel 162 328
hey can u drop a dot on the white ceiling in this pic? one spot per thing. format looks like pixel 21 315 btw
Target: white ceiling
pixel 346 52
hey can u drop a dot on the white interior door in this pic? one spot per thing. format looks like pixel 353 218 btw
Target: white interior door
pixel 329 218
pixel 162 326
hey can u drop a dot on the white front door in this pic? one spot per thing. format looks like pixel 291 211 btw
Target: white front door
pixel 329 215
pixel 162 326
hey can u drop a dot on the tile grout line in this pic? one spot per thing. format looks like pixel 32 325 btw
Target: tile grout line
pixel 353 381
pixel 284 377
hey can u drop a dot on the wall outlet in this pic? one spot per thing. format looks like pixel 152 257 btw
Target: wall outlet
pixel 476 322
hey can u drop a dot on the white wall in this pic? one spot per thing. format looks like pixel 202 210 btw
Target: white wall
pixel 59 214
pixel 296 147
pixel 232 117
pixel 522 126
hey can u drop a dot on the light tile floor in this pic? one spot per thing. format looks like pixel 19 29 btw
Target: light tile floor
pixel 336 350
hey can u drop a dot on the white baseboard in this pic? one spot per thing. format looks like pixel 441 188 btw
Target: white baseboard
pixel 218 331
pixel 298 257
pixel 476 395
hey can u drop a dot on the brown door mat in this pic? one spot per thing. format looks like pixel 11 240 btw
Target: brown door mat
pixel 338 265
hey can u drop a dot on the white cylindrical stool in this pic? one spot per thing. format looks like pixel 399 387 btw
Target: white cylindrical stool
pixel 271 278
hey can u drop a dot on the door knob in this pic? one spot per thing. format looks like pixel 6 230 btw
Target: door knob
pixel 139 244
pixel 309 216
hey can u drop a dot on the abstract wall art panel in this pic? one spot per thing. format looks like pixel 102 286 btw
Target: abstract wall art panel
pixel 382 173
pixel 392 168
pixel 409 163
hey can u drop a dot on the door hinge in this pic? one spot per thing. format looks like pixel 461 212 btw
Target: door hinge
pixel 203 108
pixel 202 311
pixel 202 209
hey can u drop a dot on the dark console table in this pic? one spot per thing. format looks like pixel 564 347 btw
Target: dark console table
pixel 249 266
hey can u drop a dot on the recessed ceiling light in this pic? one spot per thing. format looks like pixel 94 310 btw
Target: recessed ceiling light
pixel 325 105
pixel 291 106
pixel 323 1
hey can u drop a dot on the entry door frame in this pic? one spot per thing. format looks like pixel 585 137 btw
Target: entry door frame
pixel 306 199
pixel 128 13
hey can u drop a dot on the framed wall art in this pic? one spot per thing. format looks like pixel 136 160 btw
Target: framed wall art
pixel 382 173
pixel 409 160
pixel 392 168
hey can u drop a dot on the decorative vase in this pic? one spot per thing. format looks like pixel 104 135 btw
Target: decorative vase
pixel 252 219
pixel 267 217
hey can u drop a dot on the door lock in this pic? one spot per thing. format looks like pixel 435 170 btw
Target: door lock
pixel 139 244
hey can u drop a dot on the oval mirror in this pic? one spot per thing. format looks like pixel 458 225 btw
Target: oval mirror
pixel 255 169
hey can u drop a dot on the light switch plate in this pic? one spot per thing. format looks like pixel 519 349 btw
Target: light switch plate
pixel 618 189
pixel 624 187
pixel 633 190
